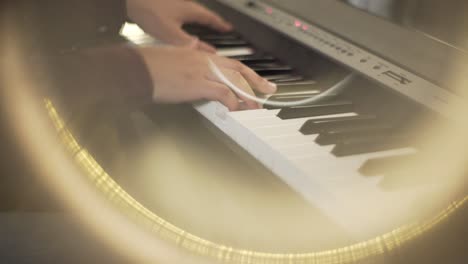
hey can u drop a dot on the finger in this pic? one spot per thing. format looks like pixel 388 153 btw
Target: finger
pixel 194 44
pixel 203 46
pixel 198 14
pixel 222 93
pixel 258 83
pixel 181 38
pixel 175 35
pixel 239 81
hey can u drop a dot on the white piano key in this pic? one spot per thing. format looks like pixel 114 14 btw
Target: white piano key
pixel 251 114
pixel 356 161
pixel 266 120
pixel 262 113
pixel 285 140
pixel 331 183
pixel 343 171
pixel 231 52
pixel 277 127
pixel 298 93
pixel 259 122
pixel 297 151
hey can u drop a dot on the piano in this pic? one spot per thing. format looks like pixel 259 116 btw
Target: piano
pixel 362 156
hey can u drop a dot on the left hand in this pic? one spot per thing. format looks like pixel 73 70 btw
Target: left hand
pixel 164 19
pixel 184 75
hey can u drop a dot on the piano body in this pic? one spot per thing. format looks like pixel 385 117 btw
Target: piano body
pixel 361 156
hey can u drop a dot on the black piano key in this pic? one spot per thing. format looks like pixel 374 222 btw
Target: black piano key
pixel 324 125
pixel 254 58
pixel 269 65
pixel 219 37
pixel 301 84
pixel 235 43
pixel 291 97
pixel 364 133
pixel 302 88
pixel 202 31
pixel 277 77
pixel 291 79
pixel 356 147
pixel 216 38
pixel 379 166
pixel 317 109
pixel 270 69
pixel 199 30
pixel 268 72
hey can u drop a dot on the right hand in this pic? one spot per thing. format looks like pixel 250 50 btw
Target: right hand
pixel 183 75
pixel 164 19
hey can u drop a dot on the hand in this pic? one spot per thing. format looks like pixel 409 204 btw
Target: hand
pixel 183 75
pixel 164 19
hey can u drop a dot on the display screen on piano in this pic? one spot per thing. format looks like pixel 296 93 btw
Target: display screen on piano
pixel 366 152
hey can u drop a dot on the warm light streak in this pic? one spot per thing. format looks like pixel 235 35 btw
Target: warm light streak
pixel 374 248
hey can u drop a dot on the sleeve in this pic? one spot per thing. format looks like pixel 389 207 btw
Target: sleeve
pixel 55 25
pixel 99 80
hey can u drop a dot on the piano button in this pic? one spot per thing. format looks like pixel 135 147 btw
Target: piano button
pixel 319 126
pixel 378 166
pixel 364 133
pixel 375 144
pixel 318 109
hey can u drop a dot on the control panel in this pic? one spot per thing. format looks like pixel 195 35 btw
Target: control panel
pixel 360 60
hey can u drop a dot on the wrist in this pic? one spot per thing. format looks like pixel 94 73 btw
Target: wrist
pixel 147 56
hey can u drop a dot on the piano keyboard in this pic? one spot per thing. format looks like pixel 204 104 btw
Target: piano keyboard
pixel 335 153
